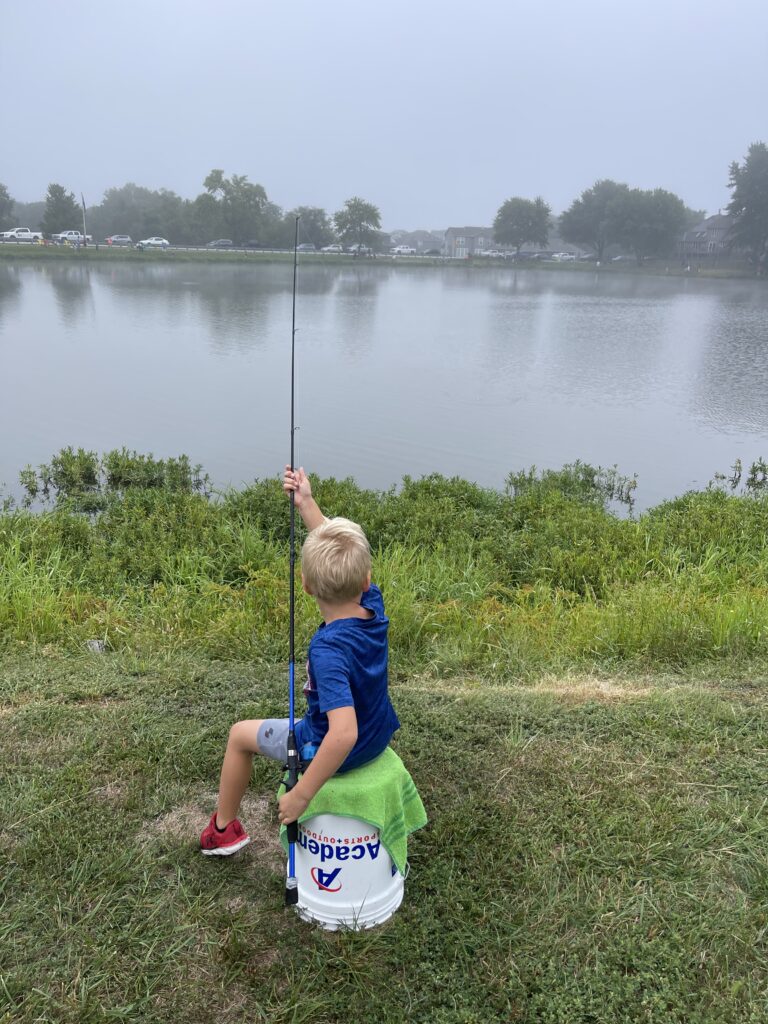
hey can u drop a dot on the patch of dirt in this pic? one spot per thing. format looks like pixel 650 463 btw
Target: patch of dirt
pixel 257 813
pixel 112 793
pixel 574 689
pixel 577 691
pixel 96 701
pixel 8 843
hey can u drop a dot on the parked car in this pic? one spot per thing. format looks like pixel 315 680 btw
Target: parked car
pixel 119 240
pixel 306 247
pixel 360 250
pixel 71 238
pixel 220 243
pixel 432 252
pixel 335 247
pixel 562 257
pixel 155 242
pixel 403 250
pixel 21 235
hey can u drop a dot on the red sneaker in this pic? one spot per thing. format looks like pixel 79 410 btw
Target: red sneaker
pixel 223 844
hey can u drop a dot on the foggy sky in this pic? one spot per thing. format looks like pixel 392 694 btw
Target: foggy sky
pixel 435 111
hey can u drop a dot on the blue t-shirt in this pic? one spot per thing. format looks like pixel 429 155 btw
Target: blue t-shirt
pixel 347 667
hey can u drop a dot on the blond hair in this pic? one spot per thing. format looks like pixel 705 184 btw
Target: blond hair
pixel 336 560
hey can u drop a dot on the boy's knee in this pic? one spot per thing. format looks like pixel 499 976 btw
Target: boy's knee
pixel 243 735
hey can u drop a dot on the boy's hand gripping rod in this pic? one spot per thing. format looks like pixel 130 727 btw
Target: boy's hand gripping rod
pixel 291 882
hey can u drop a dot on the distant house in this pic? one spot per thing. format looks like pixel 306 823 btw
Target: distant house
pixel 421 241
pixel 709 238
pixel 464 242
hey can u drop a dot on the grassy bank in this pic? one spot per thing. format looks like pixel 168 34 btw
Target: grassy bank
pixel 596 853
pixel 543 578
pixel 583 699
pixel 105 253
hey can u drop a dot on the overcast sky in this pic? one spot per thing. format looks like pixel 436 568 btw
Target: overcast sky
pixel 435 111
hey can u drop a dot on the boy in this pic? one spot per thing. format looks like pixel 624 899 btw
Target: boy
pixel 350 718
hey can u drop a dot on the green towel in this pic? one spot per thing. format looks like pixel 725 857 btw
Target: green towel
pixel 380 793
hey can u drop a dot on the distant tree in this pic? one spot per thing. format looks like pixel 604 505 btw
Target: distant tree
pixel 357 222
pixel 522 220
pixel 206 218
pixel 314 225
pixel 650 221
pixel 594 219
pixel 62 211
pixel 749 202
pixel 382 241
pixel 140 212
pixel 694 217
pixel 169 217
pixel 242 203
pixel 28 215
pixel 6 209
pixel 277 230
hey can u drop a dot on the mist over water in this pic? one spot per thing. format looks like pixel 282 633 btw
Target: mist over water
pixel 399 371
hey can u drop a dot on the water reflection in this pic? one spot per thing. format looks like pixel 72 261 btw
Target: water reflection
pixel 72 287
pixel 455 369
pixel 236 303
pixel 731 384
pixel 10 291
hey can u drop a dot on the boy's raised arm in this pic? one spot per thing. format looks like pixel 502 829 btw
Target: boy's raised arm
pixel 296 480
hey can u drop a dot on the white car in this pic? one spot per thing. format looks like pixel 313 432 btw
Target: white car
pixel 403 250
pixel 153 243
pixel 332 248
pixel 563 257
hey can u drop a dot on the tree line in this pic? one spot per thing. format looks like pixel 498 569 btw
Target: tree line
pixel 228 207
pixel 644 222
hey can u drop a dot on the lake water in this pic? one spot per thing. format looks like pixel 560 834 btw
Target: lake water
pixel 399 370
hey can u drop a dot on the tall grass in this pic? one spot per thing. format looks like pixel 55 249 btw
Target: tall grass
pixel 596 847
pixel 543 577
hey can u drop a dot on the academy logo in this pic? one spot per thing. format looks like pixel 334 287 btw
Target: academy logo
pixel 324 879
pixel 331 848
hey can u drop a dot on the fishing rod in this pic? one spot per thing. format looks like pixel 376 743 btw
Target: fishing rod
pixel 292 777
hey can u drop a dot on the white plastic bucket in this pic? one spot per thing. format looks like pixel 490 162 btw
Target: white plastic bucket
pixel 345 876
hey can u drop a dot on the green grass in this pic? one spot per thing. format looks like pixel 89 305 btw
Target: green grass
pixel 543 578
pixel 583 699
pixel 596 852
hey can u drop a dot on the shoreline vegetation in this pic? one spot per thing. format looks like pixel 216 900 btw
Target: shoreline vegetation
pixel 93 254
pixel 583 699
pixel 546 576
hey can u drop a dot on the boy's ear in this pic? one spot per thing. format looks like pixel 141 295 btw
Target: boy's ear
pixel 367 583
pixel 304 586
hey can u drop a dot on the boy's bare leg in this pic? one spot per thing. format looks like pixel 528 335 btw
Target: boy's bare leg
pixel 236 769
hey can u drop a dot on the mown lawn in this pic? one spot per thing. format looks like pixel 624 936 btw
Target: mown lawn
pixel 597 852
